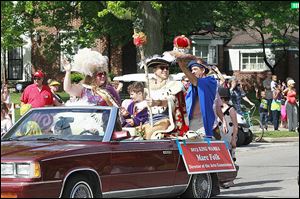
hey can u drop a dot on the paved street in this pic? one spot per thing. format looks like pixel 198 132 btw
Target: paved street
pixel 267 170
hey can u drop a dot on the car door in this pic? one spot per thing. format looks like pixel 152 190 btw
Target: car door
pixel 142 168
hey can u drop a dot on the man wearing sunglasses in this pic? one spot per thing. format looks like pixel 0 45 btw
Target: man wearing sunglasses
pixel 166 98
pixel 37 94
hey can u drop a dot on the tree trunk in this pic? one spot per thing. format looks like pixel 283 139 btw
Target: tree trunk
pixel 152 28
pixel 3 66
pixel 264 51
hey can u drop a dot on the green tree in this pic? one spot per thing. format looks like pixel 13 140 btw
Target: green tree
pixel 268 18
pixel 186 17
pixel 16 20
pixel 97 19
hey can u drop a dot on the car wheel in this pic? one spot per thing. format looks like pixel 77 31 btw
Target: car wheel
pixel 79 187
pixel 249 138
pixel 200 186
pixel 241 138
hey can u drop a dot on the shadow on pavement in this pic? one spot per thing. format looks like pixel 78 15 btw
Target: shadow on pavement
pixel 250 190
pixel 256 183
pixel 248 196
pixel 253 144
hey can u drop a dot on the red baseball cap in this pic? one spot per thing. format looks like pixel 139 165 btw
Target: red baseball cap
pixel 39 74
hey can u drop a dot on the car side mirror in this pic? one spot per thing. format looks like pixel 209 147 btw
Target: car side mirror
pixel 120 135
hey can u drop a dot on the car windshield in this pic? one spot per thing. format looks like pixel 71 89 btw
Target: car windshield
pixel 61 124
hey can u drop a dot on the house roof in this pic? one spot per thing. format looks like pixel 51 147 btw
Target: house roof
pixel 251 37
pixel 207 34
pixel 241 38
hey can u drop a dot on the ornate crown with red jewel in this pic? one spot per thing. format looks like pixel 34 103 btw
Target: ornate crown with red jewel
pixel 182 44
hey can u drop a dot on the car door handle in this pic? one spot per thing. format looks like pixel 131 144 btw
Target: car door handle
pixel 167 152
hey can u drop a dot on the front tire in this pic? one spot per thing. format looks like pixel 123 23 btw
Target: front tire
pixel 200 186
pixel 240 138
pixel 79 187
pixel 249 138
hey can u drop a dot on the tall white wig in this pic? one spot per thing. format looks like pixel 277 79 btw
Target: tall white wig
pixel 87 62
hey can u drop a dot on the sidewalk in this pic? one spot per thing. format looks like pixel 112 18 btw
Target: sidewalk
pixel 280 139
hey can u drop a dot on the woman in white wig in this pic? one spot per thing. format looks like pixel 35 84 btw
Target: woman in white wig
pixel 95 87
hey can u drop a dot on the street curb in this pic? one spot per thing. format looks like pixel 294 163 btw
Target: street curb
pixel 283 139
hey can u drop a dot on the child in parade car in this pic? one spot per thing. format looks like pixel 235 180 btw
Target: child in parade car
pixel 135 112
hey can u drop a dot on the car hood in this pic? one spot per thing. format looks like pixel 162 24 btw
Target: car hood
pixel 22 150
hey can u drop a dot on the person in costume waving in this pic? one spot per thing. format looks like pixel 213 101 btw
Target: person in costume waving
pixel 95 88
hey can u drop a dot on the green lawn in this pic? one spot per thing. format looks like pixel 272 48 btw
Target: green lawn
pixel 277 134
pixel 15 98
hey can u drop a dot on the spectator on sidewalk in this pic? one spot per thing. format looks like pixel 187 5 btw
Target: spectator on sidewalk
pixel 54 86
pixel 237 94
pixel 269 94
pixel 5 95
pixel 6 122
pixel 283 85
pixel 263 109
pixel 283 115
pixel 291 105
pixel 37 94
pixel 273 82
pixel 276 106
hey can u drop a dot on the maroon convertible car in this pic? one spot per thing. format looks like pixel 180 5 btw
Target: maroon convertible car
pixel 79 152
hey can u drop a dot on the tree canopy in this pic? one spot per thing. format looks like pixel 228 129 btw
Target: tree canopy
pixel 273 20
pixel 115 18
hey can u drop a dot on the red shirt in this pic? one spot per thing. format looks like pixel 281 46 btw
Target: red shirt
pixel 291 97
pixel 32 95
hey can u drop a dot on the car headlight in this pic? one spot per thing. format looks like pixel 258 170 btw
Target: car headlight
pixel 21 170
pixel 7 169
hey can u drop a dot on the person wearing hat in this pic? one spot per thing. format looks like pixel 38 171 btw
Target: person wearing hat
pixel 37 94
pixel 201 96
pixel 291 105
pixel 165 99
pixel 54 86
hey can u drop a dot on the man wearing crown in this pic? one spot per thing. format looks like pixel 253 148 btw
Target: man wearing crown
pixel 201 97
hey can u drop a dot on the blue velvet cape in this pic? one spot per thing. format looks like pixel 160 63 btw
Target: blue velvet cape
pixel 206 91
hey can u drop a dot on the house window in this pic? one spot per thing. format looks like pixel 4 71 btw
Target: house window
pixel 212 55
pixel 201 51
pixel 206 52
pixel 15 64
pixel 253 62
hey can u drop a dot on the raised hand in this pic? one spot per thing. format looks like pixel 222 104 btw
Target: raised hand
pixel 66 64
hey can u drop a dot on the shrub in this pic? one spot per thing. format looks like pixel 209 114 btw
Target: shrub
pixel 76 77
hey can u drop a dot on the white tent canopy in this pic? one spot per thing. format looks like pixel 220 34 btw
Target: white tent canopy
pixel 141 77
